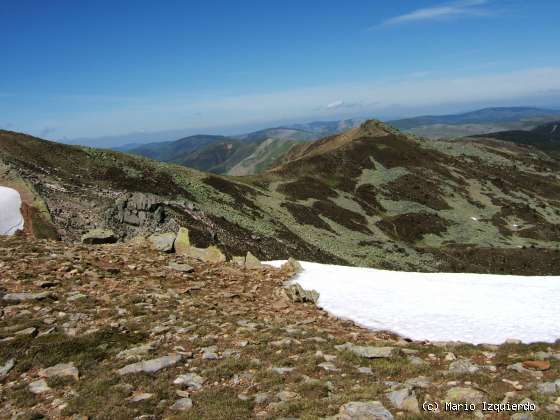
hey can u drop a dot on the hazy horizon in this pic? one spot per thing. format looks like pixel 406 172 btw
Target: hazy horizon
pixel 183 68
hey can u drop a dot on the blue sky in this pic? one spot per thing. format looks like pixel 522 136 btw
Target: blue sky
pixel 84 69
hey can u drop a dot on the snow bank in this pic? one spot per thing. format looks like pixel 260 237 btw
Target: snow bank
pixel 474 308
pixel 10 211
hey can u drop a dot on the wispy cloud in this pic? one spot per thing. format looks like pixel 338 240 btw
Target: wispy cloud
pixel 443 11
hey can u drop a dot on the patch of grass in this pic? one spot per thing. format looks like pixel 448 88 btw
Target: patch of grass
pixel 85 351
pixel 217 404
pixel 21 396
pixel 227 368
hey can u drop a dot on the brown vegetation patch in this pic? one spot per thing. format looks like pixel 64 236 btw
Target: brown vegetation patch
pixel 306 216
pixel 238 192
pixel 347 218
pixel 527 261
pixel 417 189
pixel 541 229
pixel 411 227
pixel 366 197
pixel 305 188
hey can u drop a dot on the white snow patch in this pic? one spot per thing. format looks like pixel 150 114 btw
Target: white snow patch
pixel 11 219
pixel 473 308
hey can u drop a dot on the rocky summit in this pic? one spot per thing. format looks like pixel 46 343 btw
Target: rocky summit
pixel 126 331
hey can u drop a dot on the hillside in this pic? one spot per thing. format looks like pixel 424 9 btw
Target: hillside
pixel 219 154
pixel 545 137
pixel 371 196
pixel 482 121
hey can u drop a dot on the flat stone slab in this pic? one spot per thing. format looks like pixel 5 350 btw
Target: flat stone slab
pixel 370 352
pixel 62 369
pixel 26 297
pixel 151 366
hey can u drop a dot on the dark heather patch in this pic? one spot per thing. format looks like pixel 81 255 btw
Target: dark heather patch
pixel 542 229
pixel 233 239
pixel 366 196
pixel 306 216
pixel 240 193
pixel 305 188
pixel 411 227
pixel 344 217
pixel 525 261
pixel 413 187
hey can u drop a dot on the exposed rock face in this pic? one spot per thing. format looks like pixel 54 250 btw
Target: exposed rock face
pixel 138 209
pixel 296 293
pixel 99 236
pixel 162 241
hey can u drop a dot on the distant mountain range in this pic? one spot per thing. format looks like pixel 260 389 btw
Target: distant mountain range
pixel 481 121
pixel 244 154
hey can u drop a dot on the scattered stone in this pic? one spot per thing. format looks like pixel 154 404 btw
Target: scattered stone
pixel 522 416
pixel 262 398
pixel 162 242
pixel 151 366
pixel 6 368
pixel 418 382
pixel 26 297
pixel 370 352
pixel 252 262
pixel 135 352
pixel 328 366
pixel 363 410
pixel 39 387
pixel 450 357
pixel 292 266
pixel 182 404
pixel 210 353
pixel 99 236
pixel 546 388
pixel 30 332
pixel 416 361
pixel 463 366
pixel 182 242
pixel 183 268
pixel 191 380
pixel 282 370
pixel 140 396
pixel 536 364
pixel 464 394
pixel 211 254
pixel 287 396
pixel 365 370
pixel 298 294
pixel 61 369
pixel 404 399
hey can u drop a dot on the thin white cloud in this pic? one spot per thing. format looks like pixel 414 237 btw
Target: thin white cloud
pixel 446 10
pixel 335 104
